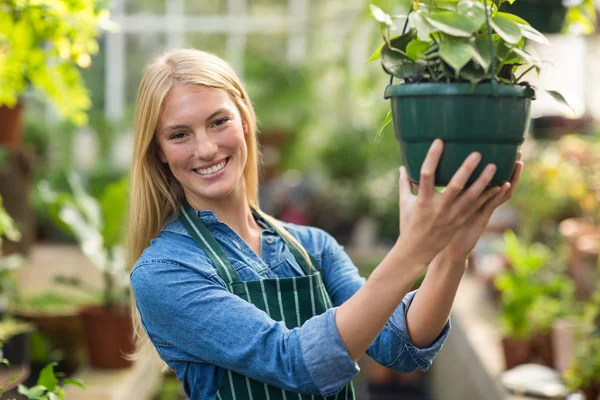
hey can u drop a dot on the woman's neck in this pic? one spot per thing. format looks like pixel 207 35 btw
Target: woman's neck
pixel 233 210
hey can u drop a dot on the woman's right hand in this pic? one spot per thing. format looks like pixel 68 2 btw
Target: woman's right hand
pixel 429 220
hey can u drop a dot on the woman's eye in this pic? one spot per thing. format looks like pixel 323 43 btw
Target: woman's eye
pixel 220 122
pixel 177 135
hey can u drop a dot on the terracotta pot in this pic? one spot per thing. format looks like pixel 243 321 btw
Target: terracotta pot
pixel 542 347
pixel 108 336
pixel 11 127
pixel 516 351
pixel 583 241
pixel 64 331
pixel 563 343
pixel 592 391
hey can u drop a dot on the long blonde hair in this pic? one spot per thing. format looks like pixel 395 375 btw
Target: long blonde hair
pixel 155 194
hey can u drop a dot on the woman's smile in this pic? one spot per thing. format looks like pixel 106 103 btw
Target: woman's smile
pixel 214 171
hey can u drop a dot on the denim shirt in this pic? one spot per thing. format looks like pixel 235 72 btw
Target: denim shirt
pixel 201 329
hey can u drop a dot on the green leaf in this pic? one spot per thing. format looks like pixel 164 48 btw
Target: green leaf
pixel 456 53
pixel 400 42
pixel 381 16
pixel 47 378
pixel 420 23
pixel 513 17
pixel 54 396
pixel 481 52
pixel 473 76
pixel 75 382
pixel 375 55
pixel 559 98
pixel 386 121
pixel 451 23
pixel 473 10
pixel 34 392
pixel 416 48
pixel 398 64
pixel 508 30
pixel 114 209
pixel 531 59
pixel 531 33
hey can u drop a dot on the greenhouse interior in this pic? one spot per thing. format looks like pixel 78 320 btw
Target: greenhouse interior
pixel 402 265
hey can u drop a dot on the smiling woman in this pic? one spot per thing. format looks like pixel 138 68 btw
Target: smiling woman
pixel 243 306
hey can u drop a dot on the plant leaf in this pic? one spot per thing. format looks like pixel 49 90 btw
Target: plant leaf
pixel 416 48
pixel 508 30
pixel 420 23
pixel 481 52
pixel 47 378
pixel 451 23
pixel 375 55
pixel 474 10
pixel 473 76
pixel 531 33
pixel 398 64
pixel 380 15
pixel 559 98
pixel 531 59
pixel 456 53
pixel 513 17
pixel 75 382
pixel 386 121
pixel 400 42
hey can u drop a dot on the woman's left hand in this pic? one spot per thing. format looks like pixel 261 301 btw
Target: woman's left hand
pixel 465 239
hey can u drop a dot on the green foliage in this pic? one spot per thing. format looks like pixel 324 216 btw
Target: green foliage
pixel 43 44
pixel 48 386
pixel 527 287
pixel 8 228
pixel 10 327
pixel 449 42
pixel 581 18
pixel 585 369
pixel 97 225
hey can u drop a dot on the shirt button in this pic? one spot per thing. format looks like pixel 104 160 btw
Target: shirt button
pixel 269 239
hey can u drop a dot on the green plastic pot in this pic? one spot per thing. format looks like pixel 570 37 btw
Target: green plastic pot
pixel 488 120
pixel 547 16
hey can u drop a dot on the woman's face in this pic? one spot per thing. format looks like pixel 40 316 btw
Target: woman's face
pixel 201 137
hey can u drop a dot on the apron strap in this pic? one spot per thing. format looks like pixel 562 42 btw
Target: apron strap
pixel 207 242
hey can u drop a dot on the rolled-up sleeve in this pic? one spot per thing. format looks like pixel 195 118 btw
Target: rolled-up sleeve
pixel 392 347
pixel 191 316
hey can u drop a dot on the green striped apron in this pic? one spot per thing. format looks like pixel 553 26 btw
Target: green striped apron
pixel 291 300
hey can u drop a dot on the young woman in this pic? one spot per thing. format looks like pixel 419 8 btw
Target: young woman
pixel 243 306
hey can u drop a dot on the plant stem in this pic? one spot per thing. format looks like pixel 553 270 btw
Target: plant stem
pixel 523 74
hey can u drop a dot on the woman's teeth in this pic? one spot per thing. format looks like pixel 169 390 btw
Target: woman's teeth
pixel 213 169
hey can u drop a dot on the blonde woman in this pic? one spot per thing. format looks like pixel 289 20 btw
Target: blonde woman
pixel 243 306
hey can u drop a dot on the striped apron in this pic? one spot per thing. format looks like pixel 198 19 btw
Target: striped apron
pixel 291 300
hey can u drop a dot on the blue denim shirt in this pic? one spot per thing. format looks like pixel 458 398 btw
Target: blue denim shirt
pixel 198 326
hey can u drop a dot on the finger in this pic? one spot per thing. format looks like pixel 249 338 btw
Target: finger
pixel 470 200
pixel 515 179
pixel 404 184
pixel 519 156
pixel 460 178
pixel 427 179
pixel 493 203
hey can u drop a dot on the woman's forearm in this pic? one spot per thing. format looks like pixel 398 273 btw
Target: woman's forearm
pixel 431 306
pixel 360 319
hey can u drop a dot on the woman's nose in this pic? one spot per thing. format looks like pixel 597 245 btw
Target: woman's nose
pixel 206 147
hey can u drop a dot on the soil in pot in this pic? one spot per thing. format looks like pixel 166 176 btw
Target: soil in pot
pixel 491 119
pixel 516 351
pixel 108 336
pixel 16 351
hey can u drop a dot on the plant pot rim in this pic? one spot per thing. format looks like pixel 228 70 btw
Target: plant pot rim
pixel 457 89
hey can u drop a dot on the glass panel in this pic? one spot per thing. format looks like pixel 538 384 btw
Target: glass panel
pixel 140 50
pixel 212 43
pixel 145 6
pixel 205 7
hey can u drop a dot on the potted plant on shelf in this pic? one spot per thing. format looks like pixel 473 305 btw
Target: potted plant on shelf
pixel 556 16
pixel 458 68
pixel 522 287
pixel 97 225
pixel 584 371
pixel 42 45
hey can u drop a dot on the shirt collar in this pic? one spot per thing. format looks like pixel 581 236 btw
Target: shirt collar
pixel 208 218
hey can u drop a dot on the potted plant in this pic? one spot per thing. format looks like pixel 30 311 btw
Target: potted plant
pixel 584 371
pixel 524 287
pixel 42 45
pixel 457 67
pixel 48 387
pixel 556 16
pixel 97 225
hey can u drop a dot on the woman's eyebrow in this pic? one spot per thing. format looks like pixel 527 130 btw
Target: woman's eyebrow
pixel 211 116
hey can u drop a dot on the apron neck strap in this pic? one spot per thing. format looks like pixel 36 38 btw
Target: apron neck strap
pixel 207 242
